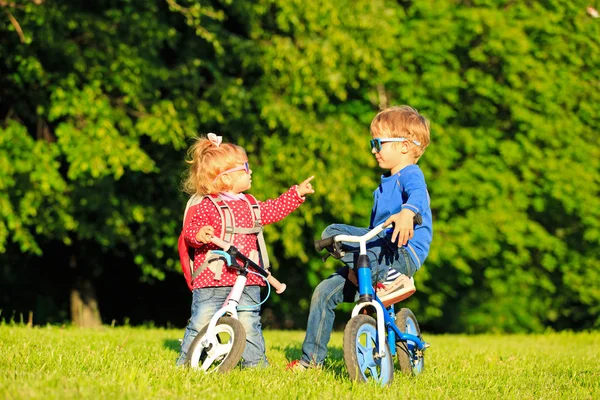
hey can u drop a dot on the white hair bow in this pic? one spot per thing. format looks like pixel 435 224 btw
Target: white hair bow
pixel 216 140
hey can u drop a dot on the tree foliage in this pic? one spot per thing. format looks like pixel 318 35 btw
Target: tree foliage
pixel 98 102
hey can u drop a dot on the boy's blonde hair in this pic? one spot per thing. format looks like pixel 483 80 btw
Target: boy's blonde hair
pixel 403 121
pixel 207 161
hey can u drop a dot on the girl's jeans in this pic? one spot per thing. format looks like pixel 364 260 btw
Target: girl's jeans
pixel 206 302
pixel 382 253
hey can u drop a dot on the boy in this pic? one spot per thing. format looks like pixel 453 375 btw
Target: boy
pixel 400 136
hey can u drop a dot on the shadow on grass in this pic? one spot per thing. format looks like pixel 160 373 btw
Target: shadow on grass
pixel 333 363
pixel 172 344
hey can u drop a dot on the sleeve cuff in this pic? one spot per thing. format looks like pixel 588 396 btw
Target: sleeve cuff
pixel 295 189
pixel 411 208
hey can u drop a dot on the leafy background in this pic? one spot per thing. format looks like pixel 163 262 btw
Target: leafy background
pixel 99 100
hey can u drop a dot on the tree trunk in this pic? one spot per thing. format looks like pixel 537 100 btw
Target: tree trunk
pixel 84 305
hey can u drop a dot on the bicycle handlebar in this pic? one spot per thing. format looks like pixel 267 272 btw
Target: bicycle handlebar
pixel 324 243
pixel 235 253
pixel 328 242
pixel 360 239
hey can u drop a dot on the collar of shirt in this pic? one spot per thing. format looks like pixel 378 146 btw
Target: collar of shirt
pixel 231 196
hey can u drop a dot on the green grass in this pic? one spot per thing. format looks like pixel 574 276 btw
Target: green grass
pixel 138 363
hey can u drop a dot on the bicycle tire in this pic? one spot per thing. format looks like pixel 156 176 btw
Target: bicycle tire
pixel 360 352
pixel 411 362
pixel 231 337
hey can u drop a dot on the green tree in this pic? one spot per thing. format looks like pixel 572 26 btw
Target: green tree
pixel 85 122
pixel 514 166
pixel 98 101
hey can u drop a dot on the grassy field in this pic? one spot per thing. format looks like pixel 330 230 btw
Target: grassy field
pixel 138 363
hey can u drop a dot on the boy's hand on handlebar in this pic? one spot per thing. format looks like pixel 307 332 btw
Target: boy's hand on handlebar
pixel 403 226
pixel 205 234
pixel 305 187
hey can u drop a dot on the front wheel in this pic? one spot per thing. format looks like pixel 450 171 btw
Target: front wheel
pixel 225 351
pixel 410 357
pixel 361 355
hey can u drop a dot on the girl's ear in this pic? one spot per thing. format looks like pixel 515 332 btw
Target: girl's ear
pixel 227 181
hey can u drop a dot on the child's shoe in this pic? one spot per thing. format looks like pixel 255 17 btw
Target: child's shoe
pixel 296 366
pixel 401 288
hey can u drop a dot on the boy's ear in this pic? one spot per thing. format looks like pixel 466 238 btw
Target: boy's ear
pixel 404 147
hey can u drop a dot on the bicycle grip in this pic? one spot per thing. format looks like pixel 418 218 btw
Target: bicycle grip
pixel 221 243
pixel 323 243
pixel 279 287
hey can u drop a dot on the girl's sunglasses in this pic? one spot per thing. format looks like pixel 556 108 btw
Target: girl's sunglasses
pixel 377 143
pixel 245 167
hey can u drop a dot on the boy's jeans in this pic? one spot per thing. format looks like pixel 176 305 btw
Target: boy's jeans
pixel 328 294
pixel 206 301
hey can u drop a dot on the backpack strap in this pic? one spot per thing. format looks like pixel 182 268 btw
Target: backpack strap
pixel 195 199
pixel 192 201
pixel 258 230
pixel 255 208
pixel 228 230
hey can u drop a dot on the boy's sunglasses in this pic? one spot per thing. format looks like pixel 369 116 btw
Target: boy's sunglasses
pixel 377 143
pixel 245 167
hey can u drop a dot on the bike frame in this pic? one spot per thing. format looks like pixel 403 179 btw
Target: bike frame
pixel 230 253
pixel 210 342
pixel 368 297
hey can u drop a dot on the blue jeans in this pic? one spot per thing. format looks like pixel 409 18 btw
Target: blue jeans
pixel 382 253
pixel 207 301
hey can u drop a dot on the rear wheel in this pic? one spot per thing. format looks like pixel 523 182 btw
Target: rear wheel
pixel 224 353
pixel 409 357
pixel 361 355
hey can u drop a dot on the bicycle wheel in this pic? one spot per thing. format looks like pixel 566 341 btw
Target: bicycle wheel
pixel 225 355
pixel 361 354
pixel 409 357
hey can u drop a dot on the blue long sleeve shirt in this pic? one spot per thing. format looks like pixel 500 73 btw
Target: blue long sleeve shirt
pixel 405 189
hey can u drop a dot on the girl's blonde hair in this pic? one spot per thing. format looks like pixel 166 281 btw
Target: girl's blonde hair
pixel 403 121
pixel 206 161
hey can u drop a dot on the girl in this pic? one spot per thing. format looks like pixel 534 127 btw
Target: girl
pixel 222 169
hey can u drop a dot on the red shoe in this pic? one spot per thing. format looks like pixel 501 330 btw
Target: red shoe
pixel 296 365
